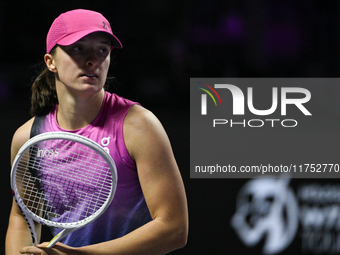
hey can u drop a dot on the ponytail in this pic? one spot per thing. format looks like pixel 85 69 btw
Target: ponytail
pixel 44 95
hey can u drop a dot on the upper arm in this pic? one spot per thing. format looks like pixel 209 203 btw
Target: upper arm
pixel 158 172
pixel 17 227
pixel 21 135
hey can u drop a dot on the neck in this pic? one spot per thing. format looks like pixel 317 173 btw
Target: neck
pixel 75 113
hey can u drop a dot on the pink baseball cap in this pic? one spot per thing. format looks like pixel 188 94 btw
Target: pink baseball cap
pixel 73 25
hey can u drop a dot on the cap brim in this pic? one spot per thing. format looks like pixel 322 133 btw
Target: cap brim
pixel 70 39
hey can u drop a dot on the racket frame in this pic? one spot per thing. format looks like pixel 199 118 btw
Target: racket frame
pixel 67 227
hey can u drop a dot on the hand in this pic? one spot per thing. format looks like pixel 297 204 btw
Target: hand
pixel 41 249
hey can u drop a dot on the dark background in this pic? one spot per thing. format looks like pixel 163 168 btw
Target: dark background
pixel 165 43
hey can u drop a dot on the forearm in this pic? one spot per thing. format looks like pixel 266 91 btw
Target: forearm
pixel 155 237
pixel 18 235
pixel 15 240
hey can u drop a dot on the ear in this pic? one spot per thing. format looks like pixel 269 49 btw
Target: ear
pixel 48 58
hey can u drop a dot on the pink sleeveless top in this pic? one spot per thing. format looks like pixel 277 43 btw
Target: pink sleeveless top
pixel 128 209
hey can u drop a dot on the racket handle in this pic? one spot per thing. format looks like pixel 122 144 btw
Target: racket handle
pixel 31 226
pixel 59 236
pixel 33 231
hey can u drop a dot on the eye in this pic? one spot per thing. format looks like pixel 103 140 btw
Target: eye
pixel 77 48
pixel 103 51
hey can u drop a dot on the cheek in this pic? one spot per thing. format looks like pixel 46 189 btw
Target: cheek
pixel 106 65
pixel 65 73
pixel 108 61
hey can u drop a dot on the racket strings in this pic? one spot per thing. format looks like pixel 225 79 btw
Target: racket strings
pixel 102 186
pixel 63 182
pixel 28 190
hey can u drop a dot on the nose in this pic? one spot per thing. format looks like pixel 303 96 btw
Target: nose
pixel 92 59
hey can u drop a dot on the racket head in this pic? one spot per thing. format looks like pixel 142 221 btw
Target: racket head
pixel 63 180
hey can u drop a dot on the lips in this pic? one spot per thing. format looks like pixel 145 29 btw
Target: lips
pixel 90 75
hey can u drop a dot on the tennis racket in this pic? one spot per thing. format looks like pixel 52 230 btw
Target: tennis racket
pixel 62 180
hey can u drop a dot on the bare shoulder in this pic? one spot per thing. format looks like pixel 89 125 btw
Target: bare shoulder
pixel 21 135
pixel 142 129
pixel 139 117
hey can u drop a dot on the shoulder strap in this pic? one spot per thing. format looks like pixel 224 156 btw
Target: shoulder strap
pixel 37 125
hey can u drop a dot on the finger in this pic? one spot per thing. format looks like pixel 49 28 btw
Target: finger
pixel 44 244
pixel 31 250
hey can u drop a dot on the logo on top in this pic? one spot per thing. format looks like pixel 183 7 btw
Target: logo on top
pixel 47 153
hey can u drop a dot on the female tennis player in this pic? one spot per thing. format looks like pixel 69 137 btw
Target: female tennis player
pixel 148 214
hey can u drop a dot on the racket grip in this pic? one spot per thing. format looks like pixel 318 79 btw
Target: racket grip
pixel 31 226
pixel 58 237
pixel 33 231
